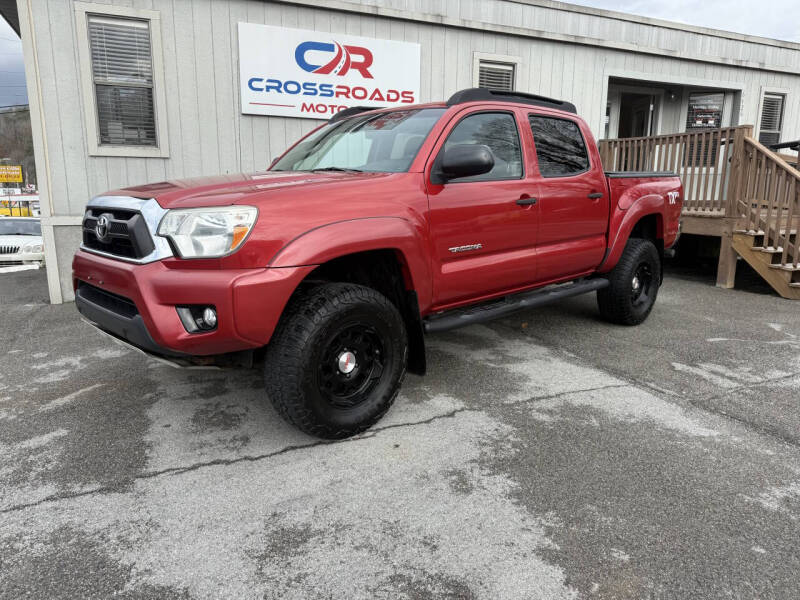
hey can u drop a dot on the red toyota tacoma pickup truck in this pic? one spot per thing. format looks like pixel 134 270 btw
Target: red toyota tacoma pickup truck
pixel 375 228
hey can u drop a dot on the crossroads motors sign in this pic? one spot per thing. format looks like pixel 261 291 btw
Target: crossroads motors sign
pixel 314 74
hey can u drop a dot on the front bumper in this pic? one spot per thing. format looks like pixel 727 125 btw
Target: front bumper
pixel 20 258
pixel 129 328
pixel 137 302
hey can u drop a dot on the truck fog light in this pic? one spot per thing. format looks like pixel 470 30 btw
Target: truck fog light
pixel 198 318
pixel 210 317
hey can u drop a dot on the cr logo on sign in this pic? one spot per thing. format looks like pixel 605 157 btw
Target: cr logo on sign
pixel 340 64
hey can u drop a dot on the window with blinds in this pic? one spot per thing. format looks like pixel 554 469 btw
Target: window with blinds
pixel 122 74
pixel 771 119
pixel 496 76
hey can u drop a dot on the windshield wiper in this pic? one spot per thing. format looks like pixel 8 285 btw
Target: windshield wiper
pixel 341 169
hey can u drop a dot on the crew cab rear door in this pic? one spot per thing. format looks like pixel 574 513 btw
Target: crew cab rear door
pixel 573 197
pixel 483 228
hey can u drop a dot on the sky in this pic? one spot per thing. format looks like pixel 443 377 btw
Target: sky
pixel 780 21
pixel 12 72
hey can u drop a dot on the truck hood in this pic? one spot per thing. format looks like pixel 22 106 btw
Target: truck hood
pixel 239 188
pixel 19 240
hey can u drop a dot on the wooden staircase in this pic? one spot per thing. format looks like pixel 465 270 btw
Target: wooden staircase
pixel 767 262
pixel 769 218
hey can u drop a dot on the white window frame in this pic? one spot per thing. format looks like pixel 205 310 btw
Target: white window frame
pixel 82 12
pixel 479 57
pixel 763 92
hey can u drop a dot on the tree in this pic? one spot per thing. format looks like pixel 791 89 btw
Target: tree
pixel 16 141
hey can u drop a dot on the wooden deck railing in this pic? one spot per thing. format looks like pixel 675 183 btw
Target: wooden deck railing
pixel 704 160
pixel 769 201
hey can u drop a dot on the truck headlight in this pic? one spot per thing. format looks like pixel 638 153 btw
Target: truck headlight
pixel 207 232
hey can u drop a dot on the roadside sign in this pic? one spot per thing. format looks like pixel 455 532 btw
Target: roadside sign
pixel 314 74
pixel 10 174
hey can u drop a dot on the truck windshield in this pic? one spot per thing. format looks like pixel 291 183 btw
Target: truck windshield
pixel 380 143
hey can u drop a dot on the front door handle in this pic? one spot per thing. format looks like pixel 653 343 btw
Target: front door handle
pixel 527 201
pixel 595 195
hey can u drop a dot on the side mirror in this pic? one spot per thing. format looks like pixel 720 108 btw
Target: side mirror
pixel 465 160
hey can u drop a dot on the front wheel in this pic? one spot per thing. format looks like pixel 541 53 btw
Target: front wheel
pixel 336 361
pixel 634 284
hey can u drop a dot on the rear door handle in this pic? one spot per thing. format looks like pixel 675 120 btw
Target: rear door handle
pixel 527 201
pixel 595 195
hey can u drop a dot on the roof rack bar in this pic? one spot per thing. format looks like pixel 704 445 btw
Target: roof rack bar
pixel 353 110
pixel 485 94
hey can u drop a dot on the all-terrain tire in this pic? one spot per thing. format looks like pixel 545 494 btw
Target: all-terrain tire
pixel 321 330
pixel 634 284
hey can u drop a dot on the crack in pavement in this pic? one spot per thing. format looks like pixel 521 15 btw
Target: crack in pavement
pixel 699 403
pixel 751 427
pixel 572 357
pixel 762 429
pixel 171 471
pixel 665 394
pixel 567 393
pixel 226 461
pixel 751 385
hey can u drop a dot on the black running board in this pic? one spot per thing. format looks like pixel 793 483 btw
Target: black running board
pixel 510 304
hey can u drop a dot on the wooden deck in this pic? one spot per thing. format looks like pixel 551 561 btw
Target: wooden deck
pixel 734 189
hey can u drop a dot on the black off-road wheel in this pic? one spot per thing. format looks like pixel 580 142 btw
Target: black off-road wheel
pixel 634 284
pixel 336 361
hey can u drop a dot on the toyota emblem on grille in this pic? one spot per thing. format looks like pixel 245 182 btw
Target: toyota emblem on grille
pixel 101 228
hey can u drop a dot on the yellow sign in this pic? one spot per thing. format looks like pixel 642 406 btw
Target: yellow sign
pixel 10 174
pixel 14 210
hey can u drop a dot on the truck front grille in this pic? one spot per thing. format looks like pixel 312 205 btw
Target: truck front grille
pixel 9 249
pixel 126 234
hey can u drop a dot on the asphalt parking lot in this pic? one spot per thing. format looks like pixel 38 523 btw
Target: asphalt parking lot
pixel 547 455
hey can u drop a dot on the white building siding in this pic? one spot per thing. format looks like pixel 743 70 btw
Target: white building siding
pixel 563 53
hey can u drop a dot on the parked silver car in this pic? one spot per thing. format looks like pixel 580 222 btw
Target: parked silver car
pixel 20 241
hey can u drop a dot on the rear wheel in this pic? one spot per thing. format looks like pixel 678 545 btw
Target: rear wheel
pixel 634 284
pixel 337 359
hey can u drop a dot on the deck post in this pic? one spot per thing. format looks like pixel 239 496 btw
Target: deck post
pixel 737 178
pixel 726 268
pixel 728 257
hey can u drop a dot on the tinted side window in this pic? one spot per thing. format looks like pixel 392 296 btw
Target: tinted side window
pixel 559 146
pixel 498 131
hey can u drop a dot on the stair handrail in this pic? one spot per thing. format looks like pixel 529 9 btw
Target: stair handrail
pixel 768 201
